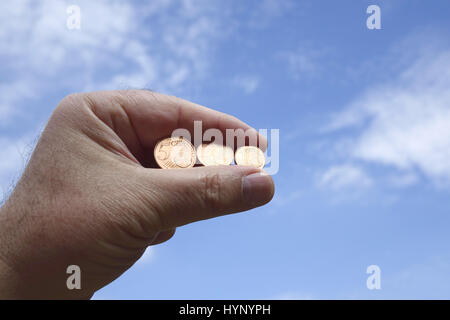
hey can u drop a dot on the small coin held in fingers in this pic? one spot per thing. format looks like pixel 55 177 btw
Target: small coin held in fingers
pixel 250 156
pixel 214 154
pixel 175 152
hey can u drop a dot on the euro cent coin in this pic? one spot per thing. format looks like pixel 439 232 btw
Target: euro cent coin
pixel 250 156
pixel 175 152
pixel 214 154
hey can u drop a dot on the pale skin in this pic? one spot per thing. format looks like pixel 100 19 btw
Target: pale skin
pixel 91 195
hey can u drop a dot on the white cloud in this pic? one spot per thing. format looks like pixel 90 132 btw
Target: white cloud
pixel 403 180
pixel 12 94
pixel 302 62
pixel 11 156
pixel 164 45
pixel 247 83
pixel 36 32
pixel 344 176
pixel 267 10
pixel 404 123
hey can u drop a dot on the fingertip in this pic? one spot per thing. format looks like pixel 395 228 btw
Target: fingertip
pixel 257 188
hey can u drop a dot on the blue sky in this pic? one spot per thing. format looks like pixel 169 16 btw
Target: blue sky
pixel 364 119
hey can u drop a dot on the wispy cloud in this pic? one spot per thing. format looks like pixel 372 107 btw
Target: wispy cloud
pixel 403 179
pixel 344 177
pixel 164 45
pixel 404 123
pixel 247 83
pixel 12 94
pixel 267 10
pixel 302 63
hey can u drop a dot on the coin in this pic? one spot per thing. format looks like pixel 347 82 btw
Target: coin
pixel 213 154
pixel 250 156
pixel 175 152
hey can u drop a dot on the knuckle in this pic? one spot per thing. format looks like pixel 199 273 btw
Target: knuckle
pixel 211 190
pixel 233 118
pixel 71 102
pixel 73 110
pixel 133 96
pixel 71 99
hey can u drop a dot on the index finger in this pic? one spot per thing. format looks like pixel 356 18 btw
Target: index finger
pixel 148 116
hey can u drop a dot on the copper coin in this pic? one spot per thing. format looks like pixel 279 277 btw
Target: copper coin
pixel 175 152
pixel 250 156
pixel 214 154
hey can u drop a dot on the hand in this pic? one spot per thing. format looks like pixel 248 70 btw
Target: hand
pixel 91 196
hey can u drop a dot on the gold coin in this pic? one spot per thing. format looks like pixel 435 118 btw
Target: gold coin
pixel 250 156
pixel 175 152
pixel 214 154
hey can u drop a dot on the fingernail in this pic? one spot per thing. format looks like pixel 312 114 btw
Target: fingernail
pixel 257 188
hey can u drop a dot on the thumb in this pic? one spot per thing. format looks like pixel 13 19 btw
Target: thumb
pixel 188 195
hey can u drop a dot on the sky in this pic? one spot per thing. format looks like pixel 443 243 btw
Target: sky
pixel 364 133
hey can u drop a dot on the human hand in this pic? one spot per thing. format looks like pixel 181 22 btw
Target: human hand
pixel 91 196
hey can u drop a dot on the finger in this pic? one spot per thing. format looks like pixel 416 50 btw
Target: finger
pixel 174 113
pixel 144 116
pixel 189 195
